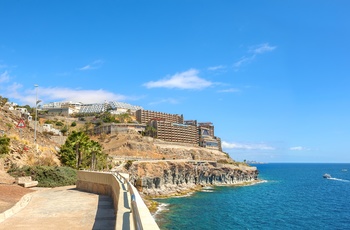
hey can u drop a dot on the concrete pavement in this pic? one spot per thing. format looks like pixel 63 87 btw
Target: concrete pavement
pixel 64 208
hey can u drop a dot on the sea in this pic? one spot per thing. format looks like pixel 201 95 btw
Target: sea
pixel 290 196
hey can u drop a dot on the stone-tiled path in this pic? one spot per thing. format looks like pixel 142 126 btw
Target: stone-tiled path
pixel 64 208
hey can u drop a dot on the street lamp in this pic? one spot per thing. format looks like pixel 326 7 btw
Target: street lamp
pixel 36 111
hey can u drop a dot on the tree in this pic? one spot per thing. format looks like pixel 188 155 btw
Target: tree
pixel 124 117
pixel 73 145
pixel 93 153
pixel 80 152
pixel 64 130
pixel 107 117
pixel 150 131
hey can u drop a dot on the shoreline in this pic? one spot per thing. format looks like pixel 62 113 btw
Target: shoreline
pixel 154 206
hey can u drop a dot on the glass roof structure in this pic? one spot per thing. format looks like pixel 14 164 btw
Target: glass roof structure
pixel 100 108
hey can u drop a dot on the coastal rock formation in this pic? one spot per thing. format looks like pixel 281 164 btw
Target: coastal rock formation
pixel 174 177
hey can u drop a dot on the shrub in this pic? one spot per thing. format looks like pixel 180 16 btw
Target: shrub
pixel 128 164
pixel 73 124
pixel 59 123
pixel 4 145
pixel 47 176
pixel 64 130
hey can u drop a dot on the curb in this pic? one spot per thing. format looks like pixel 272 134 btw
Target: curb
pixel 16 208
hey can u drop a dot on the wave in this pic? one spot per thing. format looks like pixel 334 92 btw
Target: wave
pixel 337 179
pixel 263 181
pixel 204 190
pixel 207 188
pixel 161 207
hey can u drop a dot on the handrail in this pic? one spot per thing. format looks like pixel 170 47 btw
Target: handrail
pixel 135 213
pixel 134 208
pixel 141 217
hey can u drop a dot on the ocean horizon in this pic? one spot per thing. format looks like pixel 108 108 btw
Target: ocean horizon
pixel 291 196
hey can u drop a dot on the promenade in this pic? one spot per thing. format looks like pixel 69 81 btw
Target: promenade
pixel 63 208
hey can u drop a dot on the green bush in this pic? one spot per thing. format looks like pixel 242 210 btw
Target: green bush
pixel 4 145
pixel 59 123
pixel 47 176
pixel 128 164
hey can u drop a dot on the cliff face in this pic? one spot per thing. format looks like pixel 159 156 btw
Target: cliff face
pixel 174 177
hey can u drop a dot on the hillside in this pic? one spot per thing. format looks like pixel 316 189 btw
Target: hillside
pixel 120 147
pixel 156 167
pixel 23 150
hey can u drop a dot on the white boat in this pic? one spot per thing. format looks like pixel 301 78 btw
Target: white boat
pixel 344 170
pixel 326 176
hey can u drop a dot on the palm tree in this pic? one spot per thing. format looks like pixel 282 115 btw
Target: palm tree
pixel 151 131
pixel 91 149
pixel 78 140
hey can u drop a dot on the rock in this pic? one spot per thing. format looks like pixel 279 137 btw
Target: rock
pixel 169 177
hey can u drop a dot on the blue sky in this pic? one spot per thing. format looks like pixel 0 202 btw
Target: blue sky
pixel 273 76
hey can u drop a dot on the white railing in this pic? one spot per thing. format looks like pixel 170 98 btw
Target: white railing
pixel 144 221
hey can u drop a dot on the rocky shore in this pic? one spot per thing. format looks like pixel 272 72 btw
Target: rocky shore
pixel 167 178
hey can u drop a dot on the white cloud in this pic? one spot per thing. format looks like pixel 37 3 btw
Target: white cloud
pixel 262 48
pixel 246 146
pixel 4 77
pixel 254 51
pixel 85 96
pixel 231 90
pixel 12 91
pixel 298 148
pixel 243 60
pixel 185 80
pixel 219 67
pixel 61 94
pixel 94 65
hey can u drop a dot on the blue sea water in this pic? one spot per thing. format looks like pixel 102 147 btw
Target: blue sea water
pixel 294 196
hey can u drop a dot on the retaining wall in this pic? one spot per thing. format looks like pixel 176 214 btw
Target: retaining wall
pixel 106 183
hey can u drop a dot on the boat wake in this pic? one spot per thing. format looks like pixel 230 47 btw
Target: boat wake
pixel 337 179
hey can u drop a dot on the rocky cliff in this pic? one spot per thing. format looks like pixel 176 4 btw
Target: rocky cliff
pixel 175 177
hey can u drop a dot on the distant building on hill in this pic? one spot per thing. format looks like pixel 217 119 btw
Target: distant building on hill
pixel 144 116
pixel 69 107
pixel 207 138
pixel 175 132
pixel 118 128
pixel 164 126
pixel 173 128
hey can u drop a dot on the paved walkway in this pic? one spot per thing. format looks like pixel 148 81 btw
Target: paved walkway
pixel 64 208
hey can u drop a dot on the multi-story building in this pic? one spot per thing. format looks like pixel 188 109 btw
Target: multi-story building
pixel 207 139
pixel 174 132
pixel 144 116
pixel 62 108
pixel 207 128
